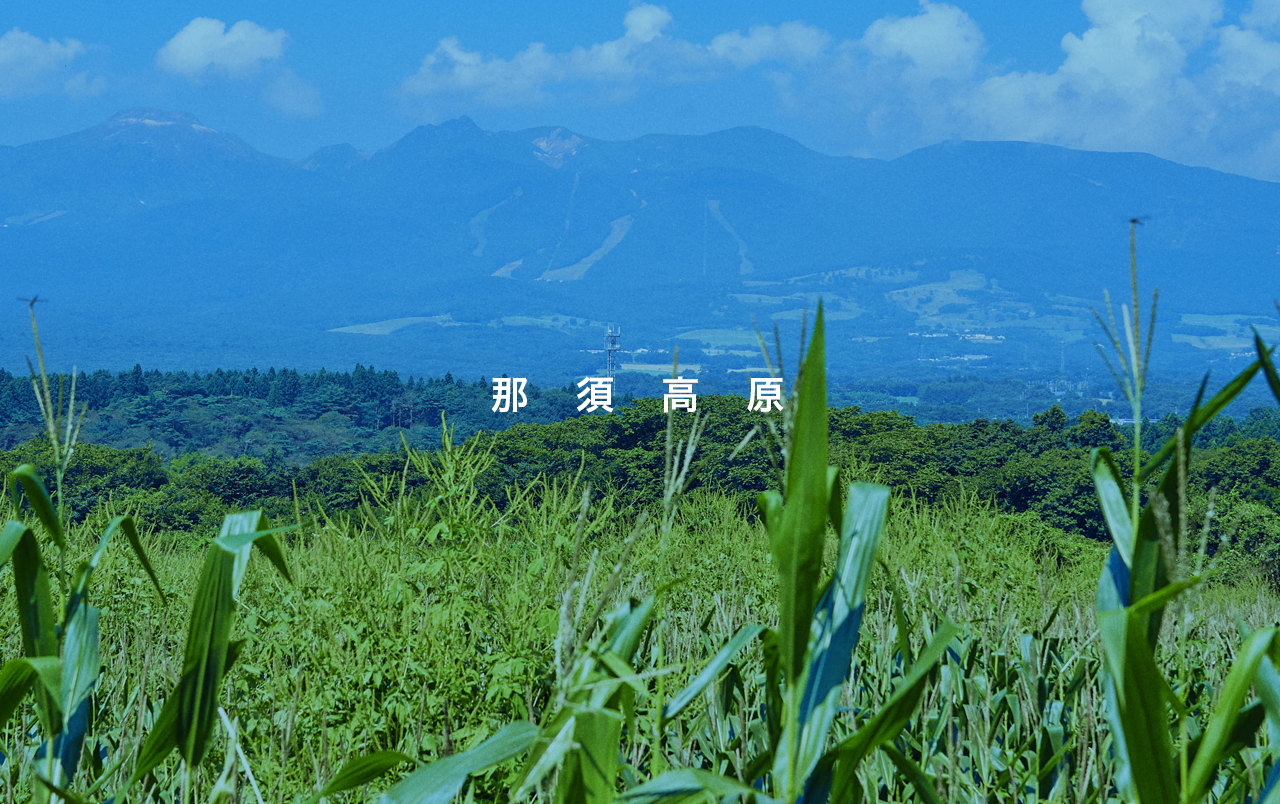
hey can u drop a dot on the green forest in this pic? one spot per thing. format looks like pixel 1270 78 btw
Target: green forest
pixel 823 603
pixel 298 416
pixel 1042 469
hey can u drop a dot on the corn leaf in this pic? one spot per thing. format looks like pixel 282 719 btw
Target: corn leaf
pixel 126 525
pixel 628 629
pixel 1115 505
pixel 1200 416
pixel 712 669
pixel 362 770
pixel 1268 365
pixel 38 496
pixel 17 677
pixel 57 789
pixel 549 757
pixel 592 766
pixel 838 616
pixel 1217 736
pixel 207 654
pixel 691 785
pixel 1267 684
pixel 889 721
pixel 913 775
pixel 440 781
pixel 1271 790
pixel 161 741
pixel 80 663
pixel 797 544
pixel 36 620
pixel 1137 707
pixel 243 531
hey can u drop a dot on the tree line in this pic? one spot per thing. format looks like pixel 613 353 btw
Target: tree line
pixel 1041 469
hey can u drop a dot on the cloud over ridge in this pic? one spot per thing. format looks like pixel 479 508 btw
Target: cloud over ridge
pixel 1166 76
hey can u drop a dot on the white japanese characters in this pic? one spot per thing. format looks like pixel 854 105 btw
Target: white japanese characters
pixel 597 392
pixel 679 395
pixel 508 394
pixel 766 394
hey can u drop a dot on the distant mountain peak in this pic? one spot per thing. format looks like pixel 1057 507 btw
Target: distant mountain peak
pixel 333 158
pixel 168 135
pixel 140 116
pixel 556 146
pixel 462 123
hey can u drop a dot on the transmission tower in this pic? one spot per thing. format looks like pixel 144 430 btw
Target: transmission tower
pixel 612 346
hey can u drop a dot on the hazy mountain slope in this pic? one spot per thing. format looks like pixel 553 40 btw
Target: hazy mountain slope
pixel 160 240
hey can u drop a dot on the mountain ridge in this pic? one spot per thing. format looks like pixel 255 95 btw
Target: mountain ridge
pixel 520 246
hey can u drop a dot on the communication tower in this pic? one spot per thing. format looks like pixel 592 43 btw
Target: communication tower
pixel 612 345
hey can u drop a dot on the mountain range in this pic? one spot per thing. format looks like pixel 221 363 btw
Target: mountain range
pixel 159 240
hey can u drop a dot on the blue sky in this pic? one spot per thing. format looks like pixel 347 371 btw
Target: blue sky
pixel 1196 81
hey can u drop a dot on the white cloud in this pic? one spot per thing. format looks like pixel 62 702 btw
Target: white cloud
pixel 939 42
pixel 790 41
pixel 644 52
pixel 1164 76
pixel 452 69
pixel 290 94
pixel 81 86
pixel 245 51
pixel 645 22
pixel 1263 15
pixel 1123 84
pixel 207 44
pixel 30 65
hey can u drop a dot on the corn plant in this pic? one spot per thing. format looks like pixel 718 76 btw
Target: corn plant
pixel 60 666
pixel 1165 751
pixel 807 658
pixel 187 719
